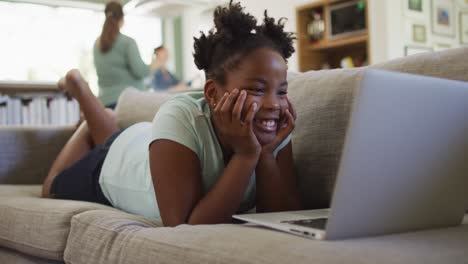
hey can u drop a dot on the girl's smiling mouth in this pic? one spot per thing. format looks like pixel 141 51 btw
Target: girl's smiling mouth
pixel 266 125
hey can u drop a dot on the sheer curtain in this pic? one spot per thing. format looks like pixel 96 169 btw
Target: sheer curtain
pixel 40 43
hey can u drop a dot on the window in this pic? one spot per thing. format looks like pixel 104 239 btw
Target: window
pixel 40 43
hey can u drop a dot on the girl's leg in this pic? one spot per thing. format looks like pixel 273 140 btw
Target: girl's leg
pixel 76 148
pixel 99 125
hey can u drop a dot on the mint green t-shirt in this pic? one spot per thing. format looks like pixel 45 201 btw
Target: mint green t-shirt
pixel 119 68
pixel 125 176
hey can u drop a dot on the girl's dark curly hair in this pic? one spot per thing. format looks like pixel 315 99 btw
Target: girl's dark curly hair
pixel 235 35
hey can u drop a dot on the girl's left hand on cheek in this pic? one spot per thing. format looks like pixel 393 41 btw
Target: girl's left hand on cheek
pixel 285 126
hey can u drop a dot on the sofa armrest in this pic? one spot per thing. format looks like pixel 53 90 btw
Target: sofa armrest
pixel 26 153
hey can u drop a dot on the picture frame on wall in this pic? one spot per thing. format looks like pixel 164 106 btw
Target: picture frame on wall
pixel 412 50
pixel 416 33
pixel 439 46
pixel 417 9
pixel 463 27
pixel 419 33
pixel 443 17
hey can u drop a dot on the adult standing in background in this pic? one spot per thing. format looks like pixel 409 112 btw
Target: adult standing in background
pixel 117 59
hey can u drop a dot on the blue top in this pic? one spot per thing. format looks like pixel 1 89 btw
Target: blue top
pixel 163 80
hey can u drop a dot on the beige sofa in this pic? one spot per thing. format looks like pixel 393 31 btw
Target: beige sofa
pixel 35 230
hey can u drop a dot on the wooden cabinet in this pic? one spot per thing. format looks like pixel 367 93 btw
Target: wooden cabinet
pixel 328 51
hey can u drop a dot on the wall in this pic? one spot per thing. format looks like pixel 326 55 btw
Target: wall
pixel 278 9
pixel 199 18
pixel 194 20
pixel 388 27
pixel 378 22
pixel 391 28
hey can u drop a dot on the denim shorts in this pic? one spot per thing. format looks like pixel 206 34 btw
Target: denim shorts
pixel 81 180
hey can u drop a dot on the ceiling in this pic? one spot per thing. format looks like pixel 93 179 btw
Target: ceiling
pixel 162 8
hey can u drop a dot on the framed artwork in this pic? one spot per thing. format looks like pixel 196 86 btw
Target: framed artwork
pixel 419 33
pixel 416 33
pixel 443 17
pixel 438 46
pixel 464 27
pixel 415 5
pixel 418 9
pixel 412 50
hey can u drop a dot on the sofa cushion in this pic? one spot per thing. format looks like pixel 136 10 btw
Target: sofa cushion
pixel 323 101
pixel 115 237
pixel 447 64
pixel 12 190
pixel 8 256
pixel 34 225
pixel 136 106
pixel 26 153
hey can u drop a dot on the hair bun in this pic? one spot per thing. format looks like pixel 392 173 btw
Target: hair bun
pixel 203 47
pixel 275 31
pixel 232 23
pixel 235 35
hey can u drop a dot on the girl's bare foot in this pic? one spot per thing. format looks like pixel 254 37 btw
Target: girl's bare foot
pixel 73 84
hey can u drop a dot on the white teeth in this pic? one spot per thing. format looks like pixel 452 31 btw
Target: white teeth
pixel 269 123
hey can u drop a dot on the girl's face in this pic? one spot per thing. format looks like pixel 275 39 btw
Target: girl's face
pixel 262 74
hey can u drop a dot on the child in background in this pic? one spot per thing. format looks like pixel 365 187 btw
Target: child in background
pixel 162 78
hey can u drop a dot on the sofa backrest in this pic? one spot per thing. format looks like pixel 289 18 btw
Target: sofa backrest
pixel 323 100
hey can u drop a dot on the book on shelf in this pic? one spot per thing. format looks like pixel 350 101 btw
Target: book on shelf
pixel 38 110
pixel 3 113
pixel 25 115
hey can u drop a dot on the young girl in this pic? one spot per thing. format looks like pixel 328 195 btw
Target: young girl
pixel 206 155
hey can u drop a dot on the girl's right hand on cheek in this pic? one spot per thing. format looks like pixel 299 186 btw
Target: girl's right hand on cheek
pixel 234 132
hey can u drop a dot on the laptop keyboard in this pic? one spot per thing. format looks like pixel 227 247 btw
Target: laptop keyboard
pixel 317 223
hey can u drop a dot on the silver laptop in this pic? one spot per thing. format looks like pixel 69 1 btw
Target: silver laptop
pixel 404 166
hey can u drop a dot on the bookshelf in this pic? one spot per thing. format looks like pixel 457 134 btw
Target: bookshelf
pixel 27 87
pixel 25 103
pixel 327 51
